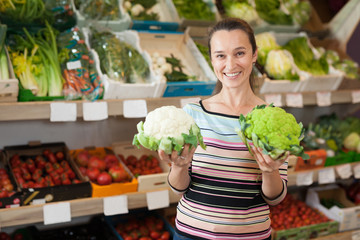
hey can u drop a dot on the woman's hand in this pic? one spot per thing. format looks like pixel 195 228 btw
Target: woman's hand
pixel 266 163
pixel 174 159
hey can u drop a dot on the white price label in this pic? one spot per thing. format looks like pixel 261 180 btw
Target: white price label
pixel 274 98
pixel 344 171
pixel 157 199
pixel 304 178
pixel 116 205
pixel 185 101
pixel 357 171
pixel 134 108
pixel 323 99
pixel 73 65
pixel 62 112
pixel 294 100
pixel 326 175
pixel 355 96
pixel 57 213
pixel 95 111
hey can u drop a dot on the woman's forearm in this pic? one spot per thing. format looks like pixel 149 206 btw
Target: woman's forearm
pixel 272 184
pixel 179 178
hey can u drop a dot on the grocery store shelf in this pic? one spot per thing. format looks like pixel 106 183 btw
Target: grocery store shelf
pixel 79 207
pixel 41 110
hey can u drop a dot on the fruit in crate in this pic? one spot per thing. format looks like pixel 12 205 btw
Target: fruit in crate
pixel 101 169
pixel 146 164
pixel 42 170
pixel 6 187
pixel 293 213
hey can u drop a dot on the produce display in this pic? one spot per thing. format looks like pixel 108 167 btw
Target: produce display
pixel 293 213
pixel 7 188
pixel 168 128
pixel 43 170
pixel 141 9
pixel 99 9
pixel 142 227
pixel 119 60
pixel 4 68
pixel 194 10
pixel 102 170
pixel 273 130
pixel 146 164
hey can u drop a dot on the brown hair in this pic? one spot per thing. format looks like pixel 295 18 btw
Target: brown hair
pixel 230 24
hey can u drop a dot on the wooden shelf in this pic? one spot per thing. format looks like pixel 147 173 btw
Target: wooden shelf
pixel 41 110
pixel 79 207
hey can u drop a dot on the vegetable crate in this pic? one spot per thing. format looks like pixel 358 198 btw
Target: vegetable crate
pixel 307 232
pixel 329 82
pixel 152 88
pixel 116 25
pixel 284 86
pixel 53 193
pixel 348 217
pixel 184 22
pixel 183 48
pixel 317 160
pixel 115 188
pixel 145 182
pixel 141 223
pixel 165 23
pixel 9 88
pixel 15 198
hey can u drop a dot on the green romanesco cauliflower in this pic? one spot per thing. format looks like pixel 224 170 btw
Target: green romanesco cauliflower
pixel 273 130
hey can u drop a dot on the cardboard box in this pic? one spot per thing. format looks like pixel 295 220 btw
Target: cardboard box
pixel 113 188
pixel 182 47
pixel 9 89
pixel 317 160
pixel 51 193
pixel 116 25
pixel 145 182
pixel 348 217
pixel 152 88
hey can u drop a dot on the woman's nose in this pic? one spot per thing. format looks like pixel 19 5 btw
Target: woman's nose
pixel 230 63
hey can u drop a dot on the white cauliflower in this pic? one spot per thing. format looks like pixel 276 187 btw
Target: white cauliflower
pixel 168 128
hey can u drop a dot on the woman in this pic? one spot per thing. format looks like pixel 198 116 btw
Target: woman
pixel 226 191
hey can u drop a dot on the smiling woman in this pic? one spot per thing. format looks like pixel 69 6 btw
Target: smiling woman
pixel 226 191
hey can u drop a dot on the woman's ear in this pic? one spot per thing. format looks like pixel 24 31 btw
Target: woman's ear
pixel 255 55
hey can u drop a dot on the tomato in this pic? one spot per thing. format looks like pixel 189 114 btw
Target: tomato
pixel 59 155
pixel 3 194
pixel 118 174
pixel 154 234
pixel 96 162
pixel 92 173
pixel 165 236
pixel 104 179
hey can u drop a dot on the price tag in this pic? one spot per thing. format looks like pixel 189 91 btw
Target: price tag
pixel 326 175
pixel 95 111
pixel 274 98
pixel 355 96
pixel 62 112
pixel 304 178
pixel 357 171
pixel 57 213
pixel 38 201
pixel 157 199
pixel 73 65
pixel 116 205
pixel 185 101
pixel 134 108
pixel 344 171
pixel 294 100
pixel 323 99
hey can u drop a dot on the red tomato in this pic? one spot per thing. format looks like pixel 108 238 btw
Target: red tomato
pixel 165 236
pixel 104 179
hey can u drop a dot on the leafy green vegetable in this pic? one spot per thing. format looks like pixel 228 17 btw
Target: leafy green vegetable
pixel 279 65
pixel 270 11
pixel 176 73
pixel 265 42
pixel 99 9
pixel 119 60
pixel 240 9
pixel 273 130
pixel 194 10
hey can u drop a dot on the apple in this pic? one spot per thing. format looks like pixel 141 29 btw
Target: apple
pixel 96 162
pixel 92 173
pixel 103 179
pixel 82 159
pixel 118 174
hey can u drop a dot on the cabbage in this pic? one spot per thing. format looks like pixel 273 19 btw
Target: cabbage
pixel 279 65
pixel 265 42
pixel 241 10
pixel 352 141
pixel 332 56
pixel 299 10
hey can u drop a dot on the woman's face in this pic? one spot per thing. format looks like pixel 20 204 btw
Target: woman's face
pixel 232 57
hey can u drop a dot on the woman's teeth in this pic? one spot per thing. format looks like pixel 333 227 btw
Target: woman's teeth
pixel 231 74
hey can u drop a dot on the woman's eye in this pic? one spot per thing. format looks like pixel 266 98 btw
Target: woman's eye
pixel 219 56
pixel 240 53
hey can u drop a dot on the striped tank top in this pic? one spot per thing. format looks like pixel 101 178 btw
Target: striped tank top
pixel 224 199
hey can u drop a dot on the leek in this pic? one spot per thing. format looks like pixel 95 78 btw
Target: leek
pixel 4 70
